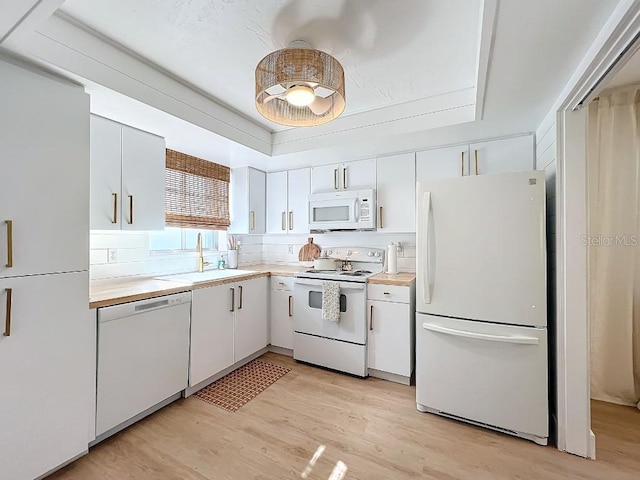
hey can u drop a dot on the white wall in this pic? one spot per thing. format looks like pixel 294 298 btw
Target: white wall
pixel 134 257
pixel 275 248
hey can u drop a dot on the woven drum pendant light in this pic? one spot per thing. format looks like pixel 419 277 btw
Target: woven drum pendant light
pixel 299 86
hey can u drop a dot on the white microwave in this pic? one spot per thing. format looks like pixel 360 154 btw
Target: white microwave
pixel 348 210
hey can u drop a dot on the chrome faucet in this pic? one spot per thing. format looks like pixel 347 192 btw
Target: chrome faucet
pixel 201 262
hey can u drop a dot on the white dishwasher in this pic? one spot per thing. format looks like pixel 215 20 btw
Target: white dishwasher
pixel 143 359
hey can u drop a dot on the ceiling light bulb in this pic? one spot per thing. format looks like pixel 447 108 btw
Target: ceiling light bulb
pixel 300 95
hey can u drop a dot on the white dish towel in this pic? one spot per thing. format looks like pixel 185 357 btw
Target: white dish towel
pixel 331 301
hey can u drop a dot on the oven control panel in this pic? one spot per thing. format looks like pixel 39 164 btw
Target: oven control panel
pixel 355 254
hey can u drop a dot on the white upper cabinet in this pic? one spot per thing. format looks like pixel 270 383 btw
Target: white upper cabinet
pixel 277 202
pixel 127 177
pixel 106 174
pixel 344 176
pixel 287 201
pixel 442 163
pixel 396 189
pixel 496 156
pixel 248 195
pixel 143 180
pixel 298 189
pixel 501 156
pixel 44 174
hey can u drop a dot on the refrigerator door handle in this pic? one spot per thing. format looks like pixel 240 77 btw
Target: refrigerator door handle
pixel 426 254
pixel 482 336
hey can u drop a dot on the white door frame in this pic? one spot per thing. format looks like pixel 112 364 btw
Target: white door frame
pixel 617 41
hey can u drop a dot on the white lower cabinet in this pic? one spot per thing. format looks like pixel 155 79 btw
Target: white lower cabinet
pixel 251 319
pixel 46 372
pixel 391 337
pixel 282 312
pixel 228 323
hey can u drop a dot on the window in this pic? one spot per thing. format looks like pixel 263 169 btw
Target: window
pixel 180 239
pixel 197 193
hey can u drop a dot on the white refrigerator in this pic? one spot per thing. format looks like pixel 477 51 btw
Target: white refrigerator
pixel 481 320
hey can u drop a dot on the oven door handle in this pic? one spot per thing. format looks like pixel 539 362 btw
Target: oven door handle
pixel 343 285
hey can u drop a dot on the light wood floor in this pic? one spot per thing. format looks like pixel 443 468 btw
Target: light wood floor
pixel 371 425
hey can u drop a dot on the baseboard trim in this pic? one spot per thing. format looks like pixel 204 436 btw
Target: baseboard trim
pixel 392 377
pixel 281 350
pixel 191 390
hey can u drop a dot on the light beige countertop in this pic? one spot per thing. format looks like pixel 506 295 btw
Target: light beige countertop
pixel 105 293
pixel 399 279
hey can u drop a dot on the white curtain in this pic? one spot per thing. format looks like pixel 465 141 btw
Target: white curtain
pixel 614 250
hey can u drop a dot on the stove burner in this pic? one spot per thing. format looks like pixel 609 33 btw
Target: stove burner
pixel 357 273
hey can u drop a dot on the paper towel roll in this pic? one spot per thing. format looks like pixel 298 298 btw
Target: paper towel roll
pixel 392 259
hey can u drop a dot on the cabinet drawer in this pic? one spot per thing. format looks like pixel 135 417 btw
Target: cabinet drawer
pixel 389 293
pixel 282 283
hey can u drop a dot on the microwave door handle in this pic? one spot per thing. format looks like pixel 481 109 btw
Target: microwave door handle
pixel 355 210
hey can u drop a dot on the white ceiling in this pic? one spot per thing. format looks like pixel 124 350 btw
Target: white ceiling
pixel 392 52
pixel 420 73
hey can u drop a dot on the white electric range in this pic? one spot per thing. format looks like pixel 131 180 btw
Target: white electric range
pixel 338 345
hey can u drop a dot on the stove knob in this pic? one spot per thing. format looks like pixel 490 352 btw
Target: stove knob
pixel 376 254
pixel 349 252
pixel 328 252
pixel 370 254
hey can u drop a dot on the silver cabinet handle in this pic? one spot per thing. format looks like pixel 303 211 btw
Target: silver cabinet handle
pixel 9 224
pixel 381 224
pixel 335 179
pixel 291 220
pixel 462 165
pixel 240 304
pixel 290 306
pixel 344 178
pixel 284 220
pixel 7 318
pixel 371 318
pixel 476 154
pixel 233 299
pixel 253 220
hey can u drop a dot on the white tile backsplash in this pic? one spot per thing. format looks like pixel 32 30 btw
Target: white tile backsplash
pixel 133 258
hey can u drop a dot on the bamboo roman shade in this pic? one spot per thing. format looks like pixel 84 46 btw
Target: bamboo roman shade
pixel 197 192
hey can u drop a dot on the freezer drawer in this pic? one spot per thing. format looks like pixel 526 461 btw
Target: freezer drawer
pixel 484 373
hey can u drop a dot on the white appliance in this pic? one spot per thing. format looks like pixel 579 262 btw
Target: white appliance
pixel 143 359
pixel 481 324
pixel 348 210
pixel 338 345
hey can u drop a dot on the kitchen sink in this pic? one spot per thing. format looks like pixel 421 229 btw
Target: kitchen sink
pixel 206 276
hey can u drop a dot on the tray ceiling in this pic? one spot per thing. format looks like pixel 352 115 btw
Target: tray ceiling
pixel 393 52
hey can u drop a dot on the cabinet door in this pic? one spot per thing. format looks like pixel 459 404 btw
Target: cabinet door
pixel 389 340
pixel 277 202
pixel 211 332
pixel 44 174
pixel 358 175
pixel 442 163
pixel 46 373
pixel 326 178
pixel 282 318
pixel 106 174
pixel 396 190
pixel 502 156
pixel 257 197
pixel 251 317
pixel 143 180
pixel 299 186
